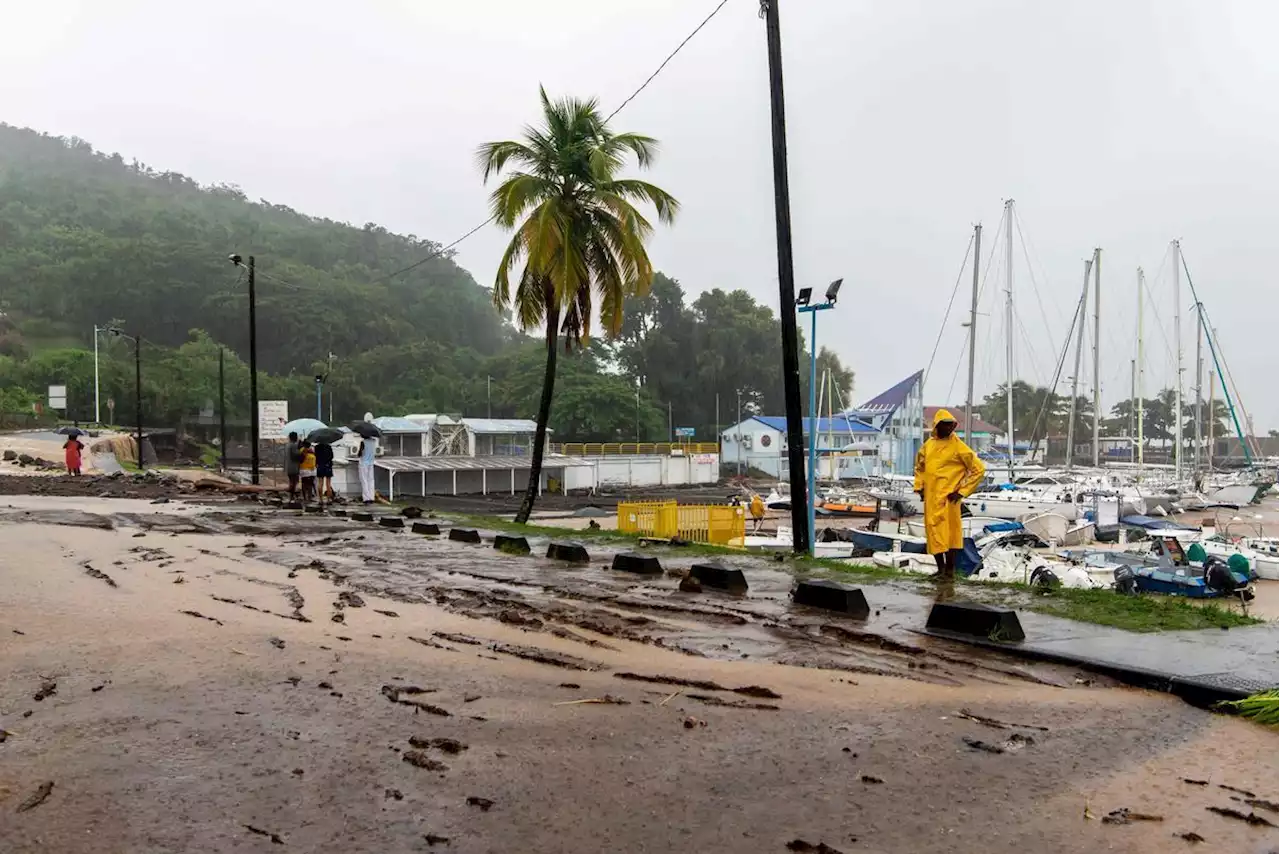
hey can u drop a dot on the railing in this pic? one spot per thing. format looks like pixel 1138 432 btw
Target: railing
pixel 697 523
pixel 616 449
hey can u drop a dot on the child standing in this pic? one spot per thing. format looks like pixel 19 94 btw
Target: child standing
pixel 307 469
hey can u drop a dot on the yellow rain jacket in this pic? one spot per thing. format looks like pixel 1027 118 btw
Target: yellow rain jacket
pixel 944 466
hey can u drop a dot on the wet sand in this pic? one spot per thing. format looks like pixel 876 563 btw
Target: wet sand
pixel 173 731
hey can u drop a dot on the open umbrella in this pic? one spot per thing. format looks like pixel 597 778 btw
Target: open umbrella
pixel 70 431
pixel 325 435
pixel 365 429
pixel 301 426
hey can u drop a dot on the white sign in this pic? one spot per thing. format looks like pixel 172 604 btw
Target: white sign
pixel 272 416
pixel 57 397
pixel 704 459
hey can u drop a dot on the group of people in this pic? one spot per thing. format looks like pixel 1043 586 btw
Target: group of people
pixel 309 467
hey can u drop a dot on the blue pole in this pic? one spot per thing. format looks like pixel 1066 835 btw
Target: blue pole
pixel 813 423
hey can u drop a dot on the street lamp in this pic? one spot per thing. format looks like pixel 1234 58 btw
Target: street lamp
pixel 803 307
pixel 253 363
pixel 137 381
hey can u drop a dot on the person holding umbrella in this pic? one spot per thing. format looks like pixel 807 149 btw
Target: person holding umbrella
pixel 369 434
pixel 323 440
pixel 72 450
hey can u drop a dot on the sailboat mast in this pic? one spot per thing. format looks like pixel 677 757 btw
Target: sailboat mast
pixel 1008 325
pixel 1075 376
pixel 1199 412
pixel 973 333
pixel 1133 395
pixel 1177 346
pixel 1097 349
pixel 1141 402
pixel 1211 420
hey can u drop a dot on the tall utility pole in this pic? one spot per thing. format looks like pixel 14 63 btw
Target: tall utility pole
pixel 1199 412
pixel 1075 375
pixel 973 333
pixel 1097 349
pixel 222 407
pixel 1008 324
pixel 253 373
pixel 1141 403
pixel 1177 345
pixel 97 395
pixel 738 440
pixel 786 286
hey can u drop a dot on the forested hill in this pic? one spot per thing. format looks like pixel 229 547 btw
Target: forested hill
pixel 87 238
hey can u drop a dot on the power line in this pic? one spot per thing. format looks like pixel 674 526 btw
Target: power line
pixel 670 57
pixel 439 252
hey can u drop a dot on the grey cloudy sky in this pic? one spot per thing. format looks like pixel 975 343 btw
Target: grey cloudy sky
pixel 1113 123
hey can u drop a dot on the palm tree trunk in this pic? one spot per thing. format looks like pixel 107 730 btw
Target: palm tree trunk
pixel 544 410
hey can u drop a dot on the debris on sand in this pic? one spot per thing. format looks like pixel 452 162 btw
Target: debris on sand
pixel 573 686
pixel 870 779
pixel 483 803
pixel 1195 782
pixel 1126 816
pixel 1245 792
pixel 702 684
pixel 385 613
pixel 37 797
pixel 1252 818
pixel 996 724
pixel 691 722
pixel 711 700
pixel 606 700
pixel 96 688
pixel 338 617
pixel 274 837
pixel 100 575
pixel 198 615
pixel 448 745
pixel 278 643
pixel 1190 836
pixel 820 848
pixel 434 838
pixel 403 695
pixel 432 644
pixel 458 638
pixel 420 759
pixel 543 656
pixel 48 687
pixel 1259 803
pixel 393 794
pixel 348 599
pixel 982 745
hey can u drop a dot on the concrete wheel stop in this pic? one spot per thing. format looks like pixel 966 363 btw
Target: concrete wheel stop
pixel 512 545
pixel 975 620
pixel 832 596
pixel 638 563
pixel 717 576
pixel 464 535
pixel 428 528
pixel 361 516
pixel 568 551
pixel 391 521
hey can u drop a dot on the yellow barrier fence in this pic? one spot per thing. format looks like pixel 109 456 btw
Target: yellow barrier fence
pixel 617 449
pixel 698 523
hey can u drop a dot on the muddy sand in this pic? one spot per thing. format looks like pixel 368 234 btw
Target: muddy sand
pixel 240 680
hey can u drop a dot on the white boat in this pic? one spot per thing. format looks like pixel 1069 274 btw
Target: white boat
pixel 1240 495
pixel 971 525
pixel 1079 534
pixel 781 541
pixel 1051 528
pixel 1023 566
pixel 1264 564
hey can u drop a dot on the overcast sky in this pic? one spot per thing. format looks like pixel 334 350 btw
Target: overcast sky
pixel 1122 124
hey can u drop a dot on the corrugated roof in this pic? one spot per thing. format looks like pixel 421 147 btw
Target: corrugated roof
pixel 501 425
pixel 443 463
pixel 392 424
pixel 837 424
pixel 892 398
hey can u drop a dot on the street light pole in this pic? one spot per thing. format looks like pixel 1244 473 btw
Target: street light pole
pixel 222 406
pixel 786 282
pixel 804 307
pixel 97 398
pixel 137 380
pixel 739 438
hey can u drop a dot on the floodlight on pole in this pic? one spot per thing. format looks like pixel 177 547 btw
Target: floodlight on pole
pixel 803 307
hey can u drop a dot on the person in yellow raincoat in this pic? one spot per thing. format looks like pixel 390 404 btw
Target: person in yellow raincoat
pixel 946 471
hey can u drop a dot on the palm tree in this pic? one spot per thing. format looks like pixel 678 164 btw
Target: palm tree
pixel 581 239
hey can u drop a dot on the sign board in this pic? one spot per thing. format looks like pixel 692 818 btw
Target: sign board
pixel 57 397
pixel 704 459
pixel 272 416
pixel 111 410
pixel 684 432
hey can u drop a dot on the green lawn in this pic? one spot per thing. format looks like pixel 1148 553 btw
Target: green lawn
pixel 1146 613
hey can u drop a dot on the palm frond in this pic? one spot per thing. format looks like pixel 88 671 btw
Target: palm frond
pixel 517 194
pixel 663 202
pixel 492 157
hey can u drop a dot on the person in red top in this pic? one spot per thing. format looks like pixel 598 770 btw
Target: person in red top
pixel 72 448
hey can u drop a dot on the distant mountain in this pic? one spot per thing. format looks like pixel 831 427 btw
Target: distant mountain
pixel 87 238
